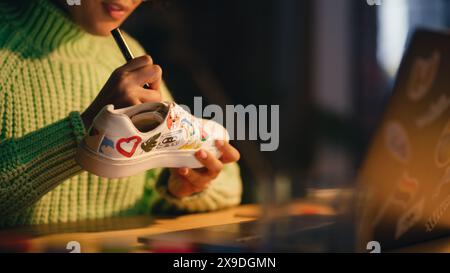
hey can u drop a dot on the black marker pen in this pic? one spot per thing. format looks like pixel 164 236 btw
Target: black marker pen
pixel 117 34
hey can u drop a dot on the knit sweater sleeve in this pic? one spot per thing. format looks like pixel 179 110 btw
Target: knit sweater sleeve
pixel 32 165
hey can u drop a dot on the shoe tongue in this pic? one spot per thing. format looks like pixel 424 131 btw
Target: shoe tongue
pixel 148 121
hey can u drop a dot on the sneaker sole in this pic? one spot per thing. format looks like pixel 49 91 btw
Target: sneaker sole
pixel 109 168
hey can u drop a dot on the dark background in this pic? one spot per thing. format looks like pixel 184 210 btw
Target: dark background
pixel 318 59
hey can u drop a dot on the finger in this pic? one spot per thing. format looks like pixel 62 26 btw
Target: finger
pixel 137 63
pixel 229 153
pixel 151 74
pixel 146 95
pixel 134 101
pixel 180 188
pixel 197 179
pixel 211 163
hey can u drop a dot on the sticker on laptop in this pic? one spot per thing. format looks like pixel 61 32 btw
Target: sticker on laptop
pixel 444 181
pixel 403 195
pixel 397 141
pixel 422 76
pixel 436 217
pixel 405 191
pixel 409 219
pixel 434 112
pixel 442 152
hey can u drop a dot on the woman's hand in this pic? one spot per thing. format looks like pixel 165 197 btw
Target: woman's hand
pixel 184 182
pixel 125 87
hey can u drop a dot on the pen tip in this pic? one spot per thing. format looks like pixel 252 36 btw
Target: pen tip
pixel 115 30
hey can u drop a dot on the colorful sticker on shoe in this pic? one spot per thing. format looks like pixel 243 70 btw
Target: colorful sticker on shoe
pixel 397 141
pixel 196 140
pixel 191 146
pixel 171 139
pixel 192 135
pixel 93 139
pixel 188 127
pixel 151 143
pixel 107 146
pixel 127 146
pixel 173 119
pixel 422 76
pixel 204 135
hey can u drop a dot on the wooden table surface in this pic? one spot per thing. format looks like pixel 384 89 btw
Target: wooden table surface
pixel 121 233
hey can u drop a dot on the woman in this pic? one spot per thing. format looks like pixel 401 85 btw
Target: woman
pixel 58 61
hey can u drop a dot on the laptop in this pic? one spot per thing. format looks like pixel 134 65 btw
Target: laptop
pixel 405 178
pixel 403 188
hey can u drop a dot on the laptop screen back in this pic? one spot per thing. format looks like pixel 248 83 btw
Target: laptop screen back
pixel 406 175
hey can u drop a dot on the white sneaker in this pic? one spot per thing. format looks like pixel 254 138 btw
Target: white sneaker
pixel 127 141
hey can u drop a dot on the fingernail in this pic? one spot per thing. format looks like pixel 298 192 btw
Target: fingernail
pixel 220 143
pixel 183 171
pixel 202 154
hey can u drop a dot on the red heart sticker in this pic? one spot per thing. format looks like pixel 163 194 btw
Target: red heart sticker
pixel 127 146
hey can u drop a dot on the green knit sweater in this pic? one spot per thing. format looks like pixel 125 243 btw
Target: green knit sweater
pixel 50 71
